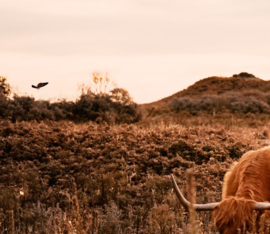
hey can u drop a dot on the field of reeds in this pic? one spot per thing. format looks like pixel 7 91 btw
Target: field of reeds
pixel 63 177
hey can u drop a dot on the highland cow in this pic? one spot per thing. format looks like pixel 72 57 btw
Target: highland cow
pixel 246 188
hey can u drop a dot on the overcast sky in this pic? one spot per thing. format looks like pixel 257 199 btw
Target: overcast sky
pixel 152 48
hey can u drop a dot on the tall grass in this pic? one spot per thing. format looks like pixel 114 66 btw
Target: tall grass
pixel 62 177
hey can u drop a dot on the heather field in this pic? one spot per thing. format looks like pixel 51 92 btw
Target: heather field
pixel 62 177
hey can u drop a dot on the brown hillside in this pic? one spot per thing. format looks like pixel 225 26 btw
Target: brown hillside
pixel 215 85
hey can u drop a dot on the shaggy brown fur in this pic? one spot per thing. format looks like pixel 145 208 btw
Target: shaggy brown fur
pixel 247 182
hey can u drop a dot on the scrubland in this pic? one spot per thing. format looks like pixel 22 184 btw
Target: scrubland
pixel 102 164
pixel 66 177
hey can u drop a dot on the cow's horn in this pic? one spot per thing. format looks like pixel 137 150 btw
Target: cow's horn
pixel 262 206
pixel 186 203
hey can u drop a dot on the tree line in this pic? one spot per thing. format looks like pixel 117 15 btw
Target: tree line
pixel 104 102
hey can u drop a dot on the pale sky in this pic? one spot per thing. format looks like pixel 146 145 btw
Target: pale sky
pixel 152 48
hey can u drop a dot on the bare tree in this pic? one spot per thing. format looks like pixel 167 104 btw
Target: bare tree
pixel 100 84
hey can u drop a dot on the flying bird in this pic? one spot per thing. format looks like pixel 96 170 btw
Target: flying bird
pixel 40 85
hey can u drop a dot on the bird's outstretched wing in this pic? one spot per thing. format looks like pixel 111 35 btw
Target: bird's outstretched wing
pixel 40 85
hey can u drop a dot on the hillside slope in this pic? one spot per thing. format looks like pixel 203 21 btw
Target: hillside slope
pixel 214 86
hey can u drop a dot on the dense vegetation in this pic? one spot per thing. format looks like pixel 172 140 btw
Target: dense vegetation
pixel 58 177
pixel 113 107
pixel 241 94
pixel 230 102
pixel 95 166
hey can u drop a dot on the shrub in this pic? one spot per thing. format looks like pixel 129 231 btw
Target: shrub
pixel 4 87
pixel 228 102
pixel 89 107
pixel 244 75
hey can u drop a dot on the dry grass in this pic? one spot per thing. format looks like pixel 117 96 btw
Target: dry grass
pixel 61 177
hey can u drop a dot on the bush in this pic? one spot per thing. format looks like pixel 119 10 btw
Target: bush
pixel 4 87
pixel 244 75
pixel 228 102
pixel 114 107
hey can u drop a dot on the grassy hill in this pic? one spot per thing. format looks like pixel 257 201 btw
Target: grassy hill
pixel 218 86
